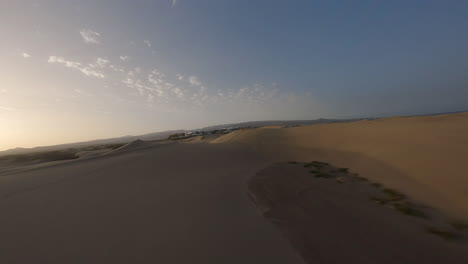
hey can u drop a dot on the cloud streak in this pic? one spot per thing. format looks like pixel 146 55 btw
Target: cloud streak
pixel 88 71
pixel 90 37
pixel 25 55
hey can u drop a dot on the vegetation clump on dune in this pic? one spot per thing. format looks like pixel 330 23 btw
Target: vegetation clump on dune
pixel 443 233
pixel 390 198
pixel 56 155
pixel 458 225
pixel 410 209
pixel 41 156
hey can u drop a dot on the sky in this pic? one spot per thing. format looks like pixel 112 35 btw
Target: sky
pixel 79 70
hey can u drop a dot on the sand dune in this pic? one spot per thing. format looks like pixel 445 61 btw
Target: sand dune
pixel 174 202
pixel 422 156
pixel 329 218
pixel 163 203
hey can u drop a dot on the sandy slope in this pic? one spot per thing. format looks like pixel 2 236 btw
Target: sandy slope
pixel 149 203
pixel 172 202
pixel 332 220
pixel 423 156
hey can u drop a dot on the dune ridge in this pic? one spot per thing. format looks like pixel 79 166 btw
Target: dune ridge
pixel 423 156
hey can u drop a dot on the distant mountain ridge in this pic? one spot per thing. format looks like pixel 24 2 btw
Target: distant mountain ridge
pixel 280 123
pixel 166 134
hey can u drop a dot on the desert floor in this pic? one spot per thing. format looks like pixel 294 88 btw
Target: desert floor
pixel 196 202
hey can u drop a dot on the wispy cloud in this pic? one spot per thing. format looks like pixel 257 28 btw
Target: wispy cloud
pixel 180 77
pixel 194 80
pixel 26 55
pixel 90 36
pixel 147 43
pixel 101 63
pixel 173 2
pixel 124 58
pixel 88 71
pixel 3 90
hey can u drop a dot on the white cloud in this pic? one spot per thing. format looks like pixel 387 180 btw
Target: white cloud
pixel 180 77
pixel 116 69
pixel 194 80
pixel 25 55
pixel 174 2
pixel 101 63
pixel 124 58
pixel 3 90
pixel 147 43
pixel 88 71
pixel 90 36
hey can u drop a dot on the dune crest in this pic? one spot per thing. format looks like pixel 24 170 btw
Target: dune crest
pixel 423 156
pixel 132 145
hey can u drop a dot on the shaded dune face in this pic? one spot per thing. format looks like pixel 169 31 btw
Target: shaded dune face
pixel 424 157
pixel 155 203
pixel 330 215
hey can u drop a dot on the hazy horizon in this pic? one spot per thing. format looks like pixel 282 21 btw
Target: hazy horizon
pixel 75 71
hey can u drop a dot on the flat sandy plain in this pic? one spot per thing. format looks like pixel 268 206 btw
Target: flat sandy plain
pixel 153 202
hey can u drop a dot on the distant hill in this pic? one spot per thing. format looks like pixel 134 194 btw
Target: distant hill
pixel 280 123
pixel 166 134
pixel 118 140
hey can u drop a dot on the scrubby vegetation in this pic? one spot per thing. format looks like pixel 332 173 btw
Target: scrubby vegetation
pixel 343 170
pixel 99 147
pixel 443 233
pixel 323 175
pixel 56 155
pixel 390 198
pixel 393 195
pixel 176 136
pixel 40 157
pixel 410 209
pixel 458 225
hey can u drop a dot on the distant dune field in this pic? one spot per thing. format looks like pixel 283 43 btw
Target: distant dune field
pixel 186 201
pixel 425 157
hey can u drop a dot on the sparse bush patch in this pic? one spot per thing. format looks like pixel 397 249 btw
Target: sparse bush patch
pixel 458 225
pixel 443 233
pixel 343 170
pixel 323 175
pixel 409 209
pixel 393 195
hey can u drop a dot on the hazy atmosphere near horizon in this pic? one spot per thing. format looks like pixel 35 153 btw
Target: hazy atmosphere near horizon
pixel 79 70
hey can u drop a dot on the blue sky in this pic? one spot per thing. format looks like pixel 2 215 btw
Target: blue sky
pixel 78 70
